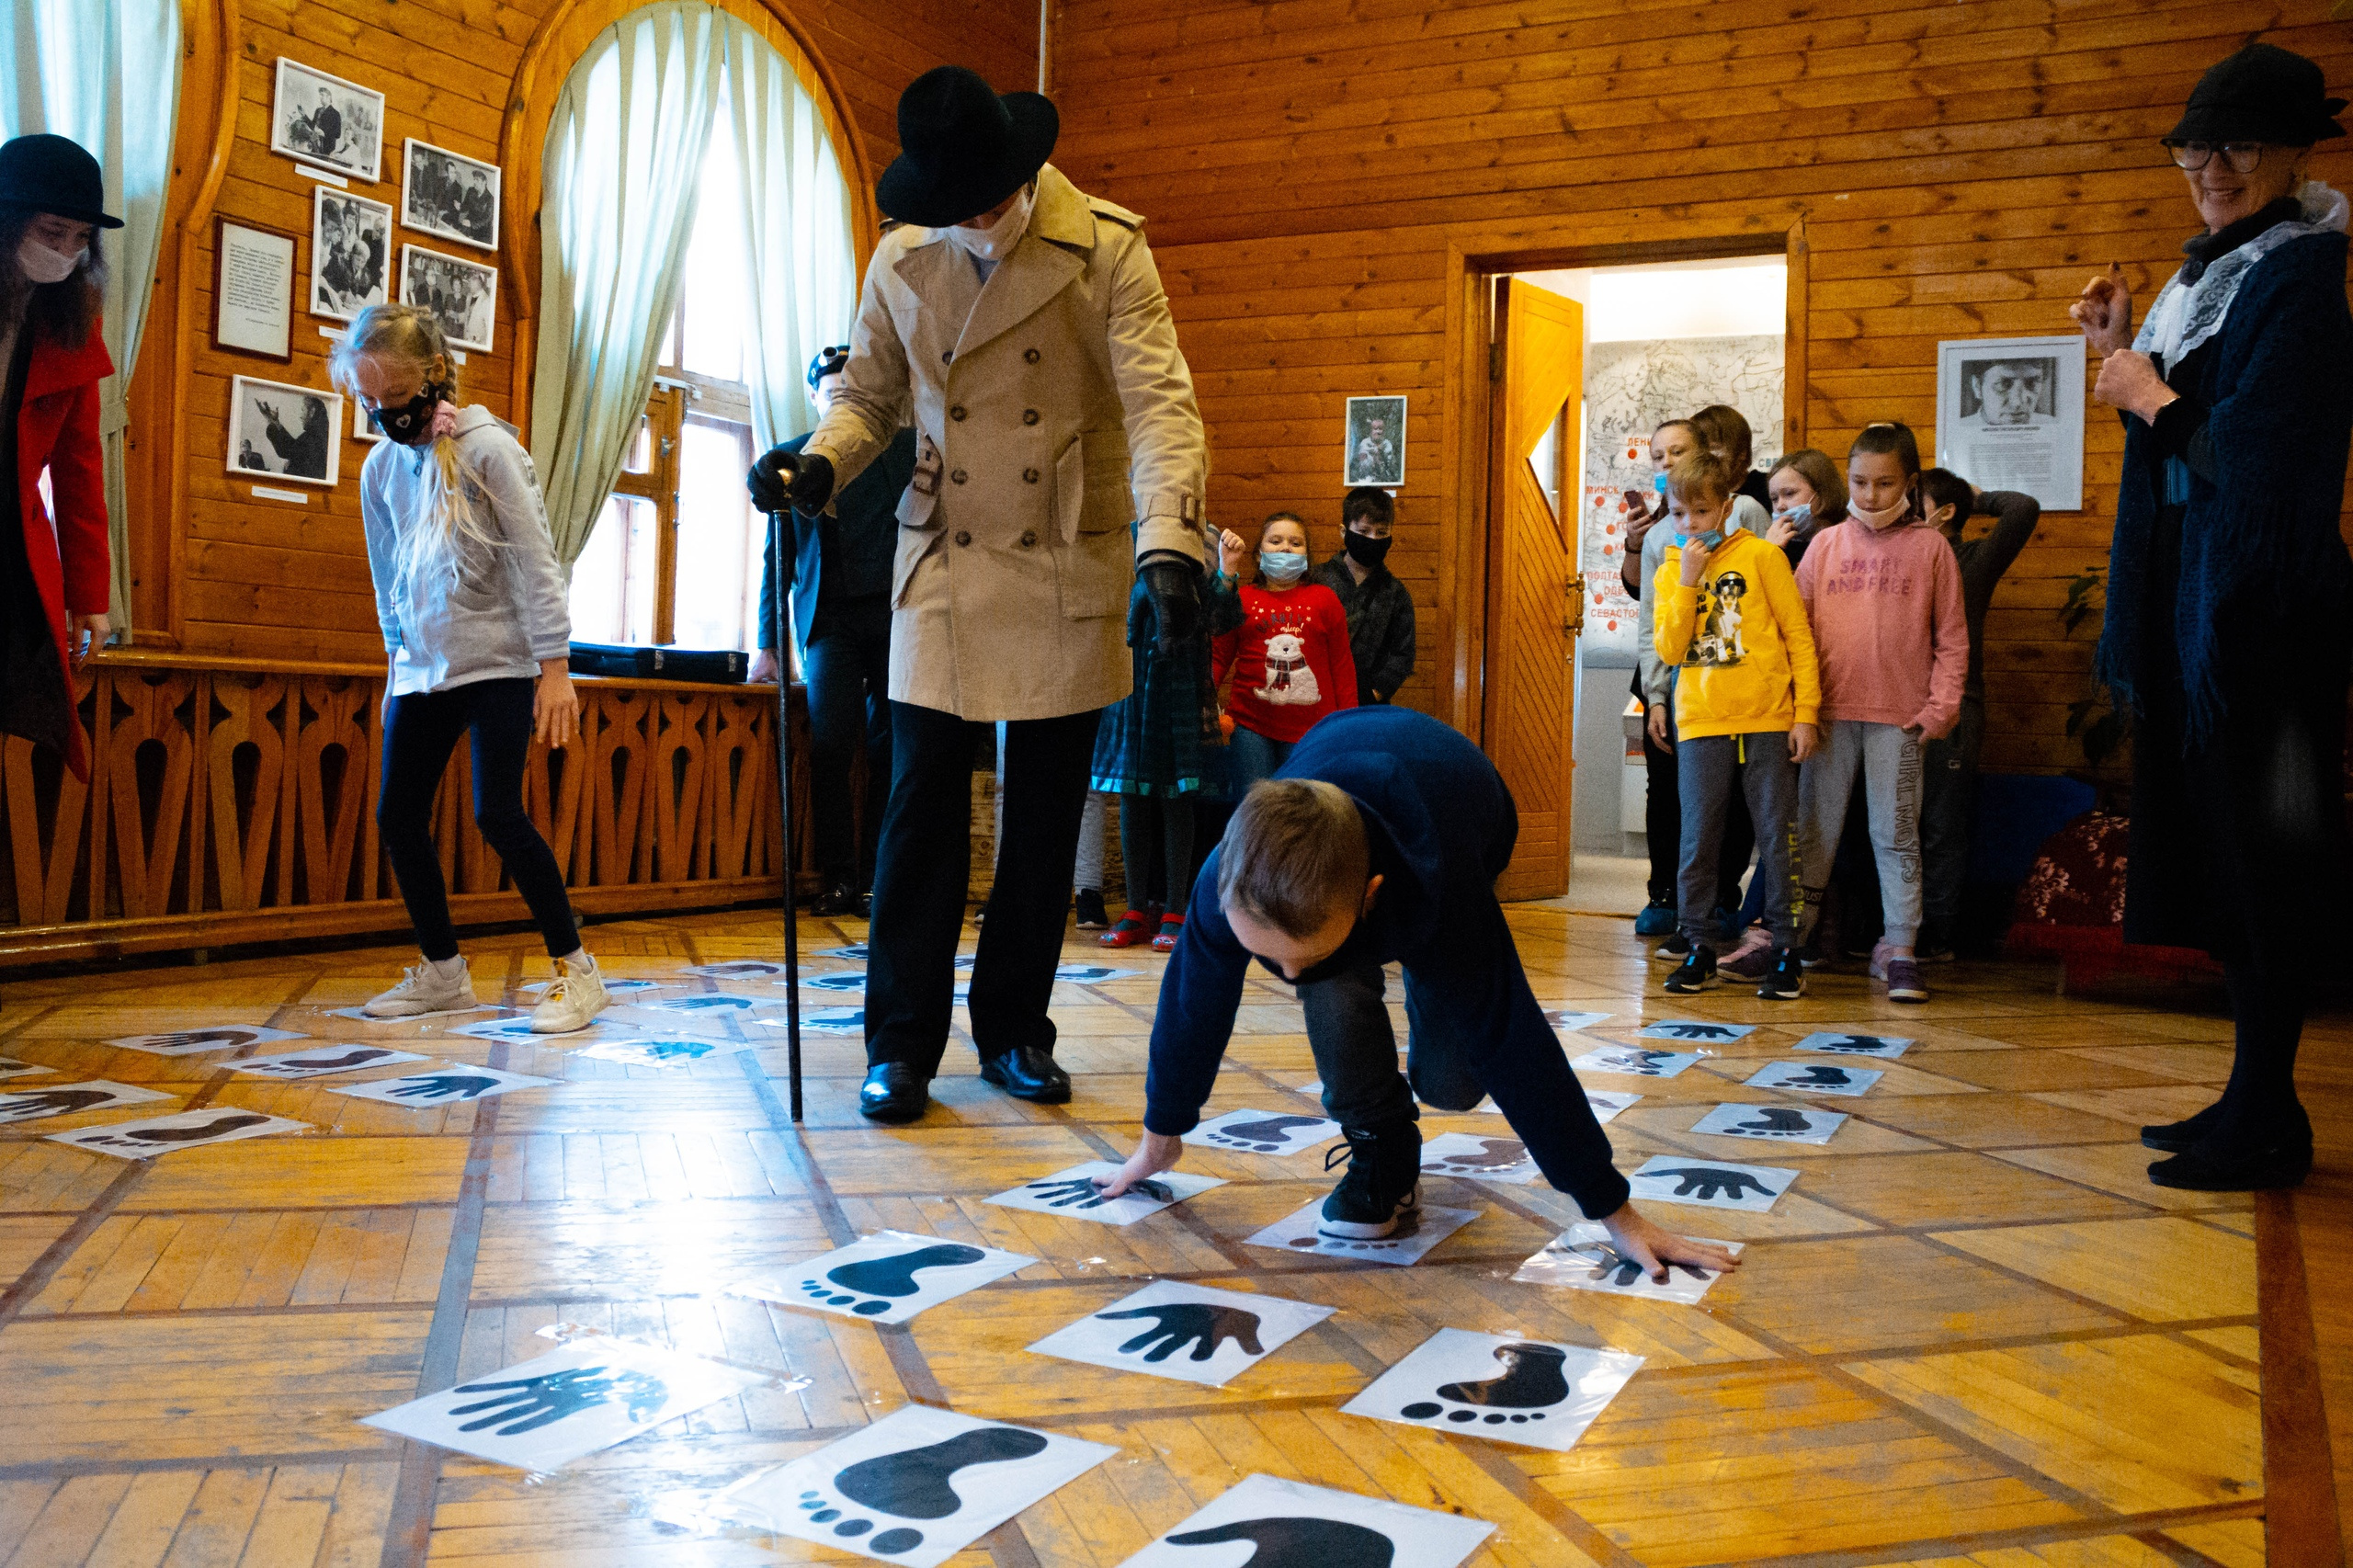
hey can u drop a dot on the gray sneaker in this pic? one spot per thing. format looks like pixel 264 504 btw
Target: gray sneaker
pixel 1903 981
pixel 424 988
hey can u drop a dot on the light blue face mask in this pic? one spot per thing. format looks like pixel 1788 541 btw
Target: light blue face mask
pixel 1283 565
pixel 1658 481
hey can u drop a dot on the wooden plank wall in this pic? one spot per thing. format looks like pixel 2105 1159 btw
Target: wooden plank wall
pixel 273 580
pixel 1307 165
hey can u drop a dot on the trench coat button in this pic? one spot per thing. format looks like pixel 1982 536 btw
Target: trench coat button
pixel 958 476
pixel 957 412
pixel 1029 417
pixel 1028 537
pixel 947 355
pixel 1029 476
pixel 963 536
pixel 1029 356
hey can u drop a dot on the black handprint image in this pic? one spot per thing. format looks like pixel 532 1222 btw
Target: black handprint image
pixel 706 1004
pixel 444 1086
pixel 1695 1031
pixel 1495 1155
pixel 1265 1136
pixel 1707 1182
pixel 1298 1543
pixel 213 1129
pixel 200 1040
pixel 526 1404
pixel 1080 1192
pixel 1774 1121
pixel 1201 1325
pixel 35 1104
pixel 1609 1261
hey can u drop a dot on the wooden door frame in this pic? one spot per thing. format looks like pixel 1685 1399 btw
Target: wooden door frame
pixel 1466 543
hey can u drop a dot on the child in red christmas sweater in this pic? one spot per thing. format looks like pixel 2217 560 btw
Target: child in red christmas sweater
pixel 1289 656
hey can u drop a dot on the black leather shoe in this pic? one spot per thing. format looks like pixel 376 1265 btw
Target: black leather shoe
pixel 2175 1137
pixel 2284 1163
pixel 1027 1073
pixel 894 1092
pixel 840 898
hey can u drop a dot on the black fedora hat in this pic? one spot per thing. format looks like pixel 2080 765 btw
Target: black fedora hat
pixel 53 174
pixel 2263 93
pixel 963 147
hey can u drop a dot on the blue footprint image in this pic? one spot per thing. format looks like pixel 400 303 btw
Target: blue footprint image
pixel 913 1484
pixel 1266 1136
pixel 1530 1382
pixel 1298 1543
pixel 893 1277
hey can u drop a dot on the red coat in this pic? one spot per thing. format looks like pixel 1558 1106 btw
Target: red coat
pixel 57 429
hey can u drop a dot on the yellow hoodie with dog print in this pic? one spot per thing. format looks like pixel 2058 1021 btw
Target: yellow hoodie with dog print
pixel 1740 643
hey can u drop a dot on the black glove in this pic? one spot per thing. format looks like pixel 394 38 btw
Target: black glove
pixel 1173 584
pixel 785 478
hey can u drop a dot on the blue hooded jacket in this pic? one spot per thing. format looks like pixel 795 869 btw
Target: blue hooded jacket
pixel 1440 827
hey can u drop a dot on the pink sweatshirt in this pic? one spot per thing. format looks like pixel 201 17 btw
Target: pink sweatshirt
pixel 1889 627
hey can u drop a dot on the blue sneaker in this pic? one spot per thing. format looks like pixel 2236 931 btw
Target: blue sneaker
pixel 1656 919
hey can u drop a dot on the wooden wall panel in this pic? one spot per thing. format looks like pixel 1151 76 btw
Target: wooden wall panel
pixel 1315 171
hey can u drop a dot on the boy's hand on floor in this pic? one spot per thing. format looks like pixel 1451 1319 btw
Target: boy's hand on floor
pixel 1804 739
pixel 1655 1248
pixel 1157 1152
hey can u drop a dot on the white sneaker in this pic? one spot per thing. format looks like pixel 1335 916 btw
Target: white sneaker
pixel 573 1000
pixel 426 987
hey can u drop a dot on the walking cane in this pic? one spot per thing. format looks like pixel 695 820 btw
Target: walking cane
pixel 781 630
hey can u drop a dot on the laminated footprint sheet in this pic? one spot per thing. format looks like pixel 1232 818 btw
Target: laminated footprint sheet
pixel 1262 1131
pixel 1288 1524
pixel 1771 1123
pixel 889 1276
pixel 184 1130
pixel 1814 1078
pixel 1422 1231
pixel 1530 1392
pixel 319 1060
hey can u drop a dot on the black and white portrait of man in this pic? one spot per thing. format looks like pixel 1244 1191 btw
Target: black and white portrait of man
pixel 326 120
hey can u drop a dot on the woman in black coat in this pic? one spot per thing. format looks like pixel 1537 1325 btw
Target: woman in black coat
pixel 2230 592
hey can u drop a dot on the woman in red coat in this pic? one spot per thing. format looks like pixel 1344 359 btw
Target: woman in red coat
pixel 54 576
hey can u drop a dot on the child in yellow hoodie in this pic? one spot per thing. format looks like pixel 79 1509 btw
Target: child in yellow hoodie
pixel 1746 695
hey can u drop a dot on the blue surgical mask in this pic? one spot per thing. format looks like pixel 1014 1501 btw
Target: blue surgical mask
pixel 1797 516
pixel 1658 481
pixel 1283 565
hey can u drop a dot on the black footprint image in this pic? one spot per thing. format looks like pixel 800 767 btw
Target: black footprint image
pixel 1531 1380
pixel 213 1129
pixel 1774 1121
pixel 1820 1078
pixel 915 1484
pixel 1495 1155
pixel 1300 1543
pixel 1266 1136
pixel 359 1058
pixel 1200 1324
pixel 1862 1043
pixel 1706 1182
pixel 893 1275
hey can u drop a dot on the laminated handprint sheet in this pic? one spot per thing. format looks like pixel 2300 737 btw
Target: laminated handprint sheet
pixel 1264 1131
pixel 1572 1022
pixel 584 1395
pixel 1072 1193
pixel 1288 1524
pixel 1192 1332
pixel 1583 1257
pixel 443 1086
pixel 1709 1184
pixel 663 1051
pixel 72 1099
pixel 1698 1031
pixel 1633 1062
pixel 888 1277
pixel 825 1020
pixel 195 1041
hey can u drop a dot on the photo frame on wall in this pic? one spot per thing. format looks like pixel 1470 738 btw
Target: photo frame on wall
pixel 325 120
pixel 461 294
pixel 253 290
pixel 1376 443
pixel 351 253
pixel 360 430
pixel 282 433
pixel 450 194
pixel 2010 416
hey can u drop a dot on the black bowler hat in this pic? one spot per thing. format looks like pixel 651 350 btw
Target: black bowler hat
pixel 2261 94
pixel 53 174
pixel 963 147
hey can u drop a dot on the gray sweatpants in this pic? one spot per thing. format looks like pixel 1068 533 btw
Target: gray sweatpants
pixel 1768 779
pixel 1889 761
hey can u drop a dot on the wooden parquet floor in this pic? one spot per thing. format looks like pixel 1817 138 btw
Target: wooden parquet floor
pixel 1972 1332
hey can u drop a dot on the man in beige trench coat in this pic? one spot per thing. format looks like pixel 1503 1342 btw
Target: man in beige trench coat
pixel 1059 453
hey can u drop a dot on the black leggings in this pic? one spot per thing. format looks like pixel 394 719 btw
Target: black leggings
pixel 420 731
pixel 1150 826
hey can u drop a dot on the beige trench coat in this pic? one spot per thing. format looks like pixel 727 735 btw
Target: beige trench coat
pixel 1052 409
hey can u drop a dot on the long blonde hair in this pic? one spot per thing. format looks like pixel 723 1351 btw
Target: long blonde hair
pixel 405 334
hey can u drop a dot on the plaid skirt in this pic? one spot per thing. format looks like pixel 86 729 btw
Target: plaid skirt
pixel 1163 738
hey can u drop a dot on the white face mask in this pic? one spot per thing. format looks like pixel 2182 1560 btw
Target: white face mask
pixel 1881 518
pixel 42 265
pixel 995 241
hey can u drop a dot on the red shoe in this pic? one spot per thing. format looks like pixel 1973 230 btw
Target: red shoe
pixel 1171 928
pixel 1131 930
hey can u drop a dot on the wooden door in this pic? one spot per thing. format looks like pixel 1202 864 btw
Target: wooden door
pixel 1535 598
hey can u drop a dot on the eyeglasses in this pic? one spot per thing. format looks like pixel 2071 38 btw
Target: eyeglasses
pixel 2241 156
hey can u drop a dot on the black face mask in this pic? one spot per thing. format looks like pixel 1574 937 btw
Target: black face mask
pixel 1363 548
pixel 410 423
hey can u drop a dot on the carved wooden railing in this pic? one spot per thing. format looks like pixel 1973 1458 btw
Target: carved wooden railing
pixel 235 801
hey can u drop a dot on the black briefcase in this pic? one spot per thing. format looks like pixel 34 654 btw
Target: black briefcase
pixel 709 666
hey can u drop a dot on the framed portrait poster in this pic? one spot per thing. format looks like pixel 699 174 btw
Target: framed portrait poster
pixel 326 120
pixel 284 433
pixel 253 290
pixel 1376 442
pixel 351 253
pixel 450 195
pixel 2010 416
pixel 461 294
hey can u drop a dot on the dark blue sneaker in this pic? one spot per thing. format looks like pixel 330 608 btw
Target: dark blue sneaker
pixel 1698 972
pixel 1657 919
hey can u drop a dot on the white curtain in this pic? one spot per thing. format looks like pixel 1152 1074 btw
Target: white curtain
pixel 107 73
pixel 623 150
pixel 794 213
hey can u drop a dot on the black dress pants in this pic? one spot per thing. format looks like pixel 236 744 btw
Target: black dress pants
pixel 923 871
pixel 848 670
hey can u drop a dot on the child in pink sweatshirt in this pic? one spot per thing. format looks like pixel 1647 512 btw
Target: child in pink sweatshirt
pixel 1882 592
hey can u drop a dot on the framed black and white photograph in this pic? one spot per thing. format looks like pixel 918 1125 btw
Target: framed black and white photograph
pixel 361 430
pixel 448 194
pixel 281 432
pixel 2010 416
pixel 351 253
pixel 253 290
pixel 326 120
pixel 1376 442
pixel 462 295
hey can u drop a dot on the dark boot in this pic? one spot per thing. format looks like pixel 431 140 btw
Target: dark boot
pixel 1382 1187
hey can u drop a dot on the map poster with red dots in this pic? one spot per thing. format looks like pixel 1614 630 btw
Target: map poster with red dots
pixel 1530 1392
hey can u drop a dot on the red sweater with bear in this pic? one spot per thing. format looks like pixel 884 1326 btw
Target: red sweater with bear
pixel 1289 658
